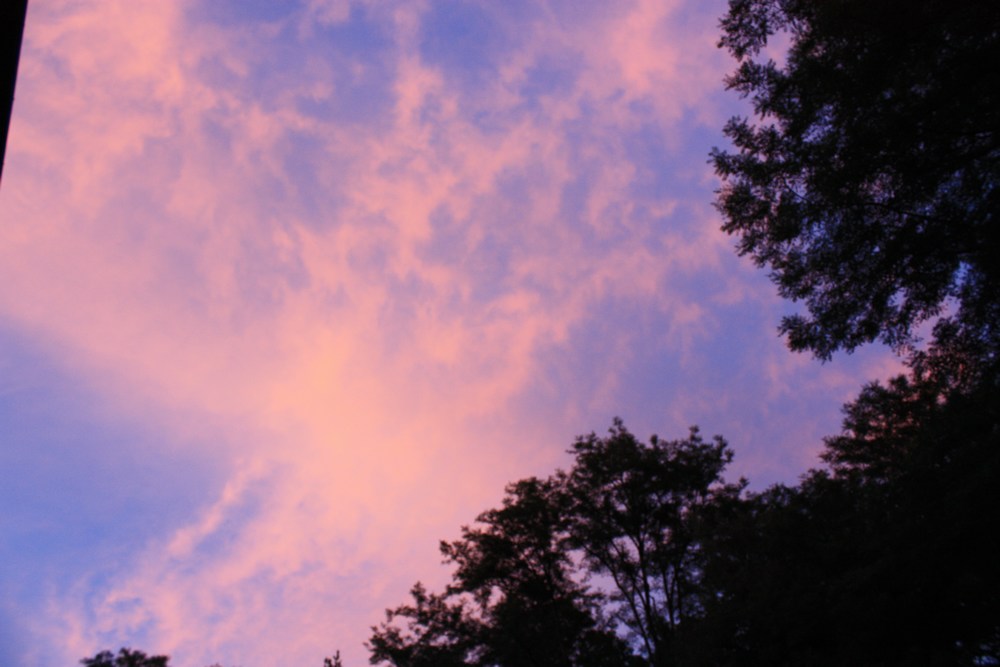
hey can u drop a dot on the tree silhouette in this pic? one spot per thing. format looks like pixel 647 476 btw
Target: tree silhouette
pixel 868 182
pixel 514 599
pixel 126 658
pixel 523 590
pixel 631 512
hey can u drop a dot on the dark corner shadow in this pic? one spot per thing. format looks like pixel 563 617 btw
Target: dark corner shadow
pixel 12 14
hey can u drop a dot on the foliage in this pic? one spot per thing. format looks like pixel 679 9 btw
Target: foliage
pixel 868 182
pixel 523 590
pixel 929 454
pixel 131 658
pixel 884 559
pixel 513 601
pixel 630 514
pixel 642 554
pixel 126 658
pixel 438 632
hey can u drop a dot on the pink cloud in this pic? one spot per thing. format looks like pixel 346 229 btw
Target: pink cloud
pixel 360 363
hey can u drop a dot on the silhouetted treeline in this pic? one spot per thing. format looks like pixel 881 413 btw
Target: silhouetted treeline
pixel 125 657
pixel 642 554
pixel 868 183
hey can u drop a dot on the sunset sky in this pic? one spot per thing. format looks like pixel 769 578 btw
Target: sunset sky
pixel 289 290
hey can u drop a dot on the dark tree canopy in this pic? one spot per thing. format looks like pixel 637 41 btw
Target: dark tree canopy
pixel 868 184
pixel 513 600
pixel 126 658
pixel 524 588
pixel 641 554
pixel 868 180
pixel 632 514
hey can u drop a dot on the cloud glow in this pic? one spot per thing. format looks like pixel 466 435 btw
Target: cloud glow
pixel 358 265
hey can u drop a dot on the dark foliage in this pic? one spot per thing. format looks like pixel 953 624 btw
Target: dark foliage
pixel 886 559
pixel 868 182
pixel 929 455
pixel 126 658
pixel 131 658
pixel 632 514
pixel 641 554
pixel 523 590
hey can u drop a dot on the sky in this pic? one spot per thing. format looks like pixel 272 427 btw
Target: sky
pixel 290 290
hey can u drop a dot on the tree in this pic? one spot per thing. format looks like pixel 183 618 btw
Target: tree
pixel 130 658
pixel 882 559
pixel 513 598
pixel 631 513
pixel 520 576
pixel 768 561
pixel 868 184
pixel 868 181
pixel 597 566
pixel 126 658
pixel 437 632
pixel 930 457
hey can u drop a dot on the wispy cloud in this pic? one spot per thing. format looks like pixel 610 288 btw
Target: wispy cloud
pixel 369 261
